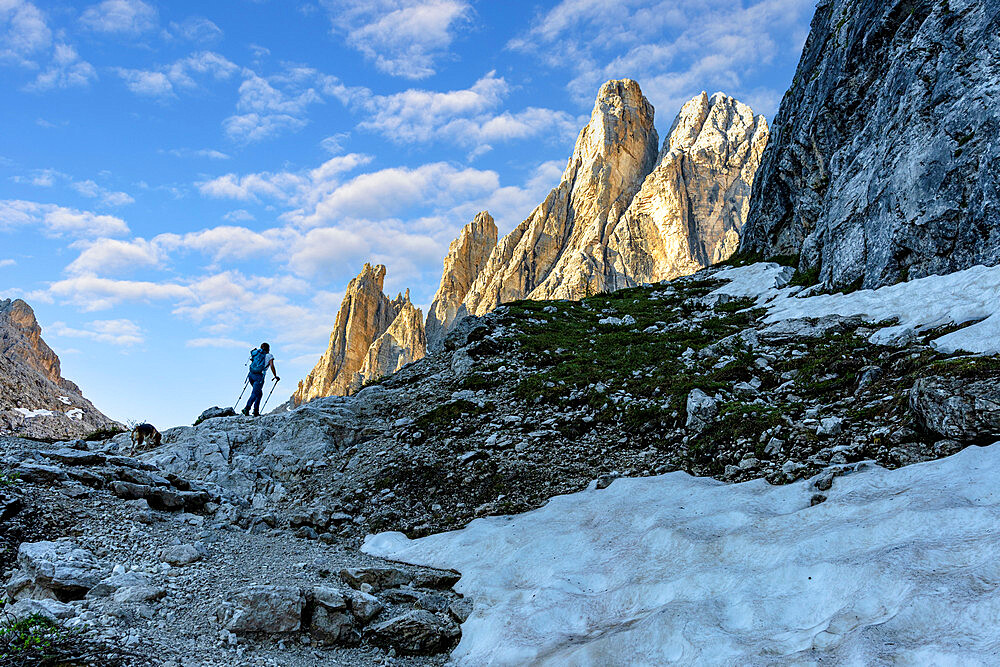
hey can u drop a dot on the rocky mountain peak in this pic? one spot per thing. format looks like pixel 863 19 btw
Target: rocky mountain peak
pixel 365 315
pixel 35 400
pixel 467 255
pixel 21 337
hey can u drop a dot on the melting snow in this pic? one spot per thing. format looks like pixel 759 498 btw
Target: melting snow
pixel 896 566
pixel 75 413
pixel 34 413
pixel 64 399
pixel 923 303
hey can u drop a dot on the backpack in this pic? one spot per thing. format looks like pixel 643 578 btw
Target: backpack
pixel 258 361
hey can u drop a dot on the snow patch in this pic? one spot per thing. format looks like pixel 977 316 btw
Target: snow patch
pixel 897 566
pixel 75 413
pixel 920 304
pixel 64 400
pixel 34 413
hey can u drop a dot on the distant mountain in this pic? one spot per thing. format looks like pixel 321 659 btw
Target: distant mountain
pixel 35 400
pixel 625 212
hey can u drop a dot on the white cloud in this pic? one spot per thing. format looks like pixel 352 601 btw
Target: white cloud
pixel 66 70
pixel 90 292
pixel 23 31
pixel 167 80
pixel 239 215
pixel 218 342
pixel 59 220
pixel 115 256
pixel 91 189
pixel 127 17
pixel 221 242
pixel 674 48
pixel 121 332
pixel 333 144
pixel 302 187
pixel 402 37
pixel 209 153
pixel 270 106
pixel 197 29
pixel 7 262
pixel 466 117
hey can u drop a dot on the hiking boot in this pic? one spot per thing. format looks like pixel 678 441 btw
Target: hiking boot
pixel 256 414
pixel 246 412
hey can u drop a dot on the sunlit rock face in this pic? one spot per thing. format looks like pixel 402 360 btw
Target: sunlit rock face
pixel 365 314
pixel 556 252
pixel 35 400
pixel 467 255
pixel 691 208
pixel 402 342
pixel 883 165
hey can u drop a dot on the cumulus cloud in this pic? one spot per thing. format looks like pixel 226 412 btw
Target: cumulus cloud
pixel 403 38
pixel 121 332
pixel 24 32
pixel 673 48
pixel 90 292
pixel 126 17
pixel 66 70
pixel 115 256
pixel 167 80
pixel 47 178
pixel 221 242
pixel 271 106
pixel 466 117
pixel 59 220
pixel 301 187
pixel 7 262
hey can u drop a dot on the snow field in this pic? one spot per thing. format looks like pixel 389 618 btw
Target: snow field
pixel 896 566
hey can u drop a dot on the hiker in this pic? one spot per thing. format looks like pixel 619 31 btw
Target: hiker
pixel 260 360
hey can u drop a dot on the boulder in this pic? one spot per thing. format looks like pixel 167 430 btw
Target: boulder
pixel 701 410
pixel 74 457
pixel 50 609
pixel 379 578
pixel 55 570
pixel 332 621
pixel 364 606
pixel 119 579
pixel 957 408
pixel 181 554
pixel 271 609
pixel 215 413
pixel 417 632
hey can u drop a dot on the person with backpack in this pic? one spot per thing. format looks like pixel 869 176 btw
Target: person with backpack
pixel 260 360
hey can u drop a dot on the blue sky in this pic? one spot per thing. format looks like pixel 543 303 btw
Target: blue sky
pixel 180 181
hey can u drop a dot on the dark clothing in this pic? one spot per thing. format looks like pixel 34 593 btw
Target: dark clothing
pixel 257 382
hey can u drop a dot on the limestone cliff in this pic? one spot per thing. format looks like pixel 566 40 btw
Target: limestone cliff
pixel 403 342
pixel 884 163
pixel 625 212
pixel 691 208
pixel 35 400
pixel 364 315
pixel 556 252
pixel 372 336
pixel 466 257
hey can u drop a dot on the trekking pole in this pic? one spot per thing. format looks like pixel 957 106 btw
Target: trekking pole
pixel 269 394
pixel 241 393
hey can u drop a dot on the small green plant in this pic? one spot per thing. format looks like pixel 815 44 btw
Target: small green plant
pixel 806 278
pixel 34 640
pixel 8 478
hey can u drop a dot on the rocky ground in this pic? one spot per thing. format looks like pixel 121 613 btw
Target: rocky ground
pixel 531 401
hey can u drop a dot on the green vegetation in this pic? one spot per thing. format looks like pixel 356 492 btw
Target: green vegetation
pixel 454 412
pixel 806 278
pixel 8 478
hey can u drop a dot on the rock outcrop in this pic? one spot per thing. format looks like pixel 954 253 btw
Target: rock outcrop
pixel 402 343
pixel 465 260
pixel 365 315
pixel 884 161
pixel 691 208
pixel 35 400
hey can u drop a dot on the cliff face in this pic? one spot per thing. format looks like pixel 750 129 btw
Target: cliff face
pixel 366 316
pixel 883 164
pixel 465 260
pixel 556 252
pixel 691 208
pixel 35 400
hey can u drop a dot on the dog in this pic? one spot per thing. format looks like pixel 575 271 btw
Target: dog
pixel 145 433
